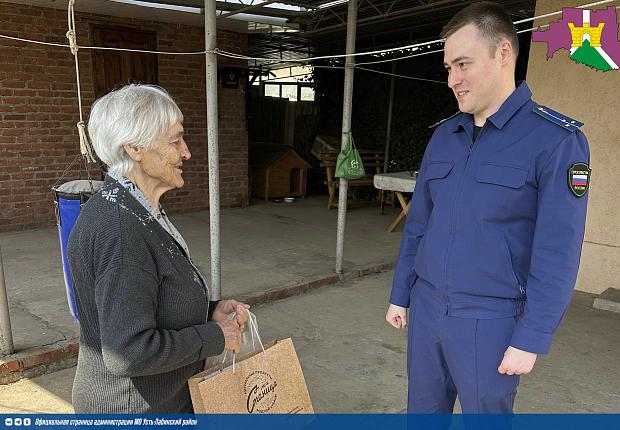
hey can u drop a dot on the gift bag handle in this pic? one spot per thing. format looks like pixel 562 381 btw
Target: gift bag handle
pixel 253 328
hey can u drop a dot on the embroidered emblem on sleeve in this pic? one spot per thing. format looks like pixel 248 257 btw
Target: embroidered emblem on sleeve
pixel 579 178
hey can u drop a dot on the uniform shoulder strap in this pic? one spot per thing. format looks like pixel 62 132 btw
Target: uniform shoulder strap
pixel 557 118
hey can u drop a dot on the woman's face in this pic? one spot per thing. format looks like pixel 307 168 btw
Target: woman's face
pixel 163 163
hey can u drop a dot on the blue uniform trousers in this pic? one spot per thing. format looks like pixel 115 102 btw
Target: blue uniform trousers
pixel 448 355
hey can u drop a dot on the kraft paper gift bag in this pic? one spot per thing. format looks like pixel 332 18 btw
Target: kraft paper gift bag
pixel 268 380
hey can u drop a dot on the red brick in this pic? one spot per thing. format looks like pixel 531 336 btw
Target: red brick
pixel 38 112
pixel 11 366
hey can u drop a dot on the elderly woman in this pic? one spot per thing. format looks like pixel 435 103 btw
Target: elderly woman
pixel 146 320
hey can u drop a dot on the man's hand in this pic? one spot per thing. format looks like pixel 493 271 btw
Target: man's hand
pixel 226 307
pixel 517 362
pixel 396 316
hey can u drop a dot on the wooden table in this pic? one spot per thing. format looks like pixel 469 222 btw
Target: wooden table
pixel 398 182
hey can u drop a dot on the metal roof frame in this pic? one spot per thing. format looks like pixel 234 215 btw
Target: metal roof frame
pixel 319 27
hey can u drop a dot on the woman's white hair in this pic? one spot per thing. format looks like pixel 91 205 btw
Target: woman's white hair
pixel 136 115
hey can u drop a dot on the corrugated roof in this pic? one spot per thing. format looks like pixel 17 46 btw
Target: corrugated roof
pixel 322 31
pixel 380 24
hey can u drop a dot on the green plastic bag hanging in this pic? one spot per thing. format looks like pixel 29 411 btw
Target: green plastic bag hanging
pixel 349 163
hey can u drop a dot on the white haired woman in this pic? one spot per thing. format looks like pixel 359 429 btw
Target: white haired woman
pixel 146 320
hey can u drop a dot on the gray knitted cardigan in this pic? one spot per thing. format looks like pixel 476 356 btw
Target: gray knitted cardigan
pixel 142 309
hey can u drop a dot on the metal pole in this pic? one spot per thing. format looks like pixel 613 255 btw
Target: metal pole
pixel 346 128
pixel 388 134
pixel 6 336
pixel 212 139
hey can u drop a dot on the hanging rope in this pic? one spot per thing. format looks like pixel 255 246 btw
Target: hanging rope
pixel 85 147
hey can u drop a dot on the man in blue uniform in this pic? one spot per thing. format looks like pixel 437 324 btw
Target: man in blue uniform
pixel 492 242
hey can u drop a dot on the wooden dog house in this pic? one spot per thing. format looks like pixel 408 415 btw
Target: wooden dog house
pixel 277 171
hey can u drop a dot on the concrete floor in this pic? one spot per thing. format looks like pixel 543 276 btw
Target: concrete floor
pixel 265 246
pixel 354 362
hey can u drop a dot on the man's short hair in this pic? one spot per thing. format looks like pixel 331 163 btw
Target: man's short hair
pixel 491 20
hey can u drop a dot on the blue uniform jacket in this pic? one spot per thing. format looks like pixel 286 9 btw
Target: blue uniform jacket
pixel 494 226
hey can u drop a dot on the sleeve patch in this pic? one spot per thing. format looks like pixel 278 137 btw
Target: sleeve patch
pixel 579 178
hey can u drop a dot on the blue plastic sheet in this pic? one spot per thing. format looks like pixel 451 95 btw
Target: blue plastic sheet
pixel 68 212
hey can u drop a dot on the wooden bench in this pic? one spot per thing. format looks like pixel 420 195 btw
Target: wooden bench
pixel 373 164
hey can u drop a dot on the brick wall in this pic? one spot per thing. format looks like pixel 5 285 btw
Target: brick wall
pixel 38 112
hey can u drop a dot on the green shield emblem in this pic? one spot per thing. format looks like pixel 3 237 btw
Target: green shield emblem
pixel 579 178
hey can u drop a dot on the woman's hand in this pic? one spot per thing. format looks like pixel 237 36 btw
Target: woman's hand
pixel 232 334
pixel 226 307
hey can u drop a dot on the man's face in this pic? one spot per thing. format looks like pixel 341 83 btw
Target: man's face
pixel 473 74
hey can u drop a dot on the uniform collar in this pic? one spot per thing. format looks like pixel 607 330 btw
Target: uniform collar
pixel 507 110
